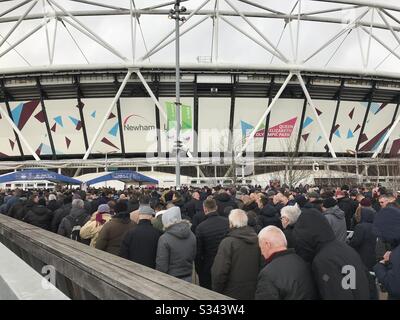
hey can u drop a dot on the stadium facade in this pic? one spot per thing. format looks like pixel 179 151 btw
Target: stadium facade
pixel 336 115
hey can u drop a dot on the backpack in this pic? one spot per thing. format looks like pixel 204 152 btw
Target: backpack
pixel 76 225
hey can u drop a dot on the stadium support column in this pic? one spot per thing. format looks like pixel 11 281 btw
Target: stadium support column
pixel 21 136
pixel 370 97
pixel 121 131
pixel 387 136
pixel 46 120
pixel 267 111
pixel 339 99
pixel 80 106
pixel 391 123
pixel 270 90
pixel 303 115
pixel 103 122
pixel 311 103
pixel 6 97
pixel 158 123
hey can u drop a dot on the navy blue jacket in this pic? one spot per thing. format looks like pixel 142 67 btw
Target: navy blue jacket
pixel 364 238
pixel 389 275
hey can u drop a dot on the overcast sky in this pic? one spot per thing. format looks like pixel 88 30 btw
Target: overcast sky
pixel 233 47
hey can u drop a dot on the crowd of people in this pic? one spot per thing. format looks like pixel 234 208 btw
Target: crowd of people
pixel 273 243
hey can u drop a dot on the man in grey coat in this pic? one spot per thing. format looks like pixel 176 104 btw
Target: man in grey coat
pixel 336 218
pixel 176 249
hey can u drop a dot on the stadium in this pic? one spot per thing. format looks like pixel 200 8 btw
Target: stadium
pixel 221 92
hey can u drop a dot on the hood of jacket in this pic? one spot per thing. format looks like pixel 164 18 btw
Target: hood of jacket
pixel 387 225
pixel 246 234
pixel 311 232
pixel 345 199
pixel 223 197
pixel 249 206
pixel 181 230
pixel 40 210
pixel 76 212
pixel 367 215
pixel 335 211
pixel 269 211
pixel 123 215
pixel 179 203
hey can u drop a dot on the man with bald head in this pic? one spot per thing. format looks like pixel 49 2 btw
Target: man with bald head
pixel 286 276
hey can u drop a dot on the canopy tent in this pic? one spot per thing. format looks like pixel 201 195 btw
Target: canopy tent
pixel 124 176
pixel 34 175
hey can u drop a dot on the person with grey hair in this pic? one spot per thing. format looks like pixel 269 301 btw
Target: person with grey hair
pixel 237 263
pixel 53 203
pixel 289 216
pixel 70 225
pixel 286 276
pixel 176 249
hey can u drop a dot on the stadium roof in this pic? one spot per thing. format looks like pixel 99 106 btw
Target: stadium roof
pixel 361 35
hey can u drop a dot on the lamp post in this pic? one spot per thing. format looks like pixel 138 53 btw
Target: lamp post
pixel 175 14
pixel 106 161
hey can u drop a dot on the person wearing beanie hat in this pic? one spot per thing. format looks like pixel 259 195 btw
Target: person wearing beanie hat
pixel 113 232
pixel 177 246
pixel 364 238
pixel 365 202
pixel 301 201
pixel 92 228
pixel 140 244
pixel 335 217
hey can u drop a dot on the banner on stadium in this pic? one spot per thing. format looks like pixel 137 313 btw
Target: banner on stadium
pixel 282 130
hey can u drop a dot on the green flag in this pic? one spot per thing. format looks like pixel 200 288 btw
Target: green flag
pixel 186 117
pixel 171 115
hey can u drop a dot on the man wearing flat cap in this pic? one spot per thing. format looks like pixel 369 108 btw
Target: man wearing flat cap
pixel 140 243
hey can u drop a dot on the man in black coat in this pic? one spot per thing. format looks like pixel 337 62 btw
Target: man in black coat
pixel 286 276
pixel 194 206
pixel 140 244
pixel 209 235
pixel 347 206
pixel 337 268
pixel 269 215
pixel 39 215
pixel 224 200
pixel 61 213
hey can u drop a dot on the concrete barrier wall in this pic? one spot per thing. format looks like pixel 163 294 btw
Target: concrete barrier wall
pixel 83 272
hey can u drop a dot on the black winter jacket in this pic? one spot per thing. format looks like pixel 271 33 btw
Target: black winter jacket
pixel 364 238
pixel 58 215
pixel 140 244
pixel 209 235
pixel 224 200
pixel 347 206
pixel 286 277
pixel 269 215
pixel 330 258
pixel 39 216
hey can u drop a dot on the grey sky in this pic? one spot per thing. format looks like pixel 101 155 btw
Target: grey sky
pixel 233 46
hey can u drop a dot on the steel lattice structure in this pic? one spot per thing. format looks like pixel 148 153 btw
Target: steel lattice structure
pixel 300 42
